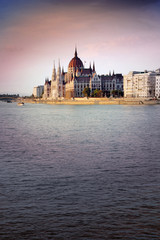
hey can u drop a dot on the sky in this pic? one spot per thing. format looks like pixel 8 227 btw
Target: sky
pixel 117 35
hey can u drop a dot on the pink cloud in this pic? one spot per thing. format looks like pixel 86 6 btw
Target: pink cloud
pixel 33 40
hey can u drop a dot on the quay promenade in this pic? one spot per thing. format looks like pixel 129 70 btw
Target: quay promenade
pixel 95 101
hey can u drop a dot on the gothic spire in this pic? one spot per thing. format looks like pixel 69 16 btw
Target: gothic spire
pixel 54 72
pixel 62 70
pixel 59 68
pixel 75 54
pixel 93 67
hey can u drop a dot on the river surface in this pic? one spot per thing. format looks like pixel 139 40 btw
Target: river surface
pixel 79 172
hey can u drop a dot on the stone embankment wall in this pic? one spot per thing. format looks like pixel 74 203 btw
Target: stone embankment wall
pixel 96 101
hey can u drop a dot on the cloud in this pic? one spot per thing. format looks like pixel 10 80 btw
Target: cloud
pixel 11 5
pixel 115 44
pixel 12 49
pixel 33 33
pixel 101 3
pixel 40 29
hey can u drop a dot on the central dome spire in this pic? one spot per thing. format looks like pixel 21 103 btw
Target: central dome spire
pixel 75 63
pixel 75 54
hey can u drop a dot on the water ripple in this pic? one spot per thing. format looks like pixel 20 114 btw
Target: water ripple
pixel 79 172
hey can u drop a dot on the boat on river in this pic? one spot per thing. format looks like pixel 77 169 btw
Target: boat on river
pixel 20 103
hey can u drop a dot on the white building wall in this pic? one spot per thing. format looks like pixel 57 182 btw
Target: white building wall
pixel 38 91
pixel 139 84
pixel 35 91
pixel 157 86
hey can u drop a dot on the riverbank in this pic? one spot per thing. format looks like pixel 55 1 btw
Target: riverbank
pixel 94 101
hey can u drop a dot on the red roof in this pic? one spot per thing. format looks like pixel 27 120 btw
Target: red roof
pixel 75 62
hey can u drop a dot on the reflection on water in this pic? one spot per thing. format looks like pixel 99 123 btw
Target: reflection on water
pixel 79 172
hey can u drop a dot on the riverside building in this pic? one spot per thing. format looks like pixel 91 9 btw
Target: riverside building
pixel 112 82
pixel 140 84
pixel 71 84
pixel 157 85
pixel 38 91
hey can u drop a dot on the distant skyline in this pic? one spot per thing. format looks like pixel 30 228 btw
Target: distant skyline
pixel 117 35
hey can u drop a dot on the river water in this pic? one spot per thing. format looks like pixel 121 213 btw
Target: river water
pixel 79 172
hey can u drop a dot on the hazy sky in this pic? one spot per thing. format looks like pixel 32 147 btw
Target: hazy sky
pixel 118 35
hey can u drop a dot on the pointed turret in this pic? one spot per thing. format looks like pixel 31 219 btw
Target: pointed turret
pixel 113 73
pixel 59 68
pixel 109 73
pixel 62 70
pixel 90 68
pixel 59 81
pixel 54 72
pixel 93 67
pixel 58 78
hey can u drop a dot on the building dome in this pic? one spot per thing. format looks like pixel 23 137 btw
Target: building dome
pixel 75 62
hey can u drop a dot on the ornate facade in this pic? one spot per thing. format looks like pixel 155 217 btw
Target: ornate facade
pixel 71 84
pixel 112 82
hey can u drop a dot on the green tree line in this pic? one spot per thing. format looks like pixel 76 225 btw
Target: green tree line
pixel 99 93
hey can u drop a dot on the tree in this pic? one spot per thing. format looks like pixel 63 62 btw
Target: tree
pixel 117 93
pixel 106 93
pixel 114 92
pixel 97 93
pixel 42 94
pixel 121 93
pixel 86 92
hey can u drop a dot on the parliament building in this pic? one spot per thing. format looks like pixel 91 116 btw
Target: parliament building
pixel 71 84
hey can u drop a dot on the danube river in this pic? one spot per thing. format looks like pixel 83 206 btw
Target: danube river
pixel 79 172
